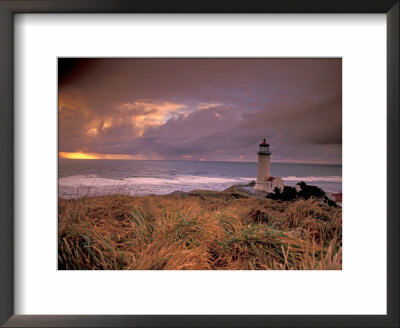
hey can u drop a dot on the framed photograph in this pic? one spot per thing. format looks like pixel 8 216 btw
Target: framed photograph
pixel 206 164
pixel 172 160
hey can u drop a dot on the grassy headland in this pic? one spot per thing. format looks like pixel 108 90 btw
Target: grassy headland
pixel 229 230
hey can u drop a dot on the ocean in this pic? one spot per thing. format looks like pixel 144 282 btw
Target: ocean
pixel 78 178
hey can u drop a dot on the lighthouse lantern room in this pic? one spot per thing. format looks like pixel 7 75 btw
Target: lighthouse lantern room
pixel 264 148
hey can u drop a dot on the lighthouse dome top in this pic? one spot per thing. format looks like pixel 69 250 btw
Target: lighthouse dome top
pixel 264 143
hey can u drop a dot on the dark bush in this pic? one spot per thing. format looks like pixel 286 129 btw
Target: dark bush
pixel 277 194
pixel 307 191
pixel 330 202
pixel 289 193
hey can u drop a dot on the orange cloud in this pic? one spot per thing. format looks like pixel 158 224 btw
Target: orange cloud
pixel 145 113
pixel 92 132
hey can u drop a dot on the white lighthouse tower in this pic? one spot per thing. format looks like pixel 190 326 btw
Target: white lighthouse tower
pixel 263 166
pixel 266 182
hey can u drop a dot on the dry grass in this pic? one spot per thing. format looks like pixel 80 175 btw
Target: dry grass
pixel 198 232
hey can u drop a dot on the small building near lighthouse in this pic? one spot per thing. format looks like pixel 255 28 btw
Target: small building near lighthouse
pixel 265 181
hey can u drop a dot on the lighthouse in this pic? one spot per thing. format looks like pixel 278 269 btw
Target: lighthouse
pixel 263 166
pixel 266 182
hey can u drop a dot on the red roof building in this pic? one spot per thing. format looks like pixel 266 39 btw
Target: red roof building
pixel 338 197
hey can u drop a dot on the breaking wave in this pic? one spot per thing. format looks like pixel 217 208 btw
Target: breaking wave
pixel 80 185
pixel 313 179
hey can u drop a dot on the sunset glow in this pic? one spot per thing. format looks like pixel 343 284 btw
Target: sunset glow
pixel 82 155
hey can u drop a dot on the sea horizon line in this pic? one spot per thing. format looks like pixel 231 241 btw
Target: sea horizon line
pixel 193 161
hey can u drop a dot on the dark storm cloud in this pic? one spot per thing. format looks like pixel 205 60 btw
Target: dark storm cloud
pixel 202 109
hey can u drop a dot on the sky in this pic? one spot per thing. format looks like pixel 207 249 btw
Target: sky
pixel 200 109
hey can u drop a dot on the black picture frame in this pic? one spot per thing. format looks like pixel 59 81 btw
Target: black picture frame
pixel 10 7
